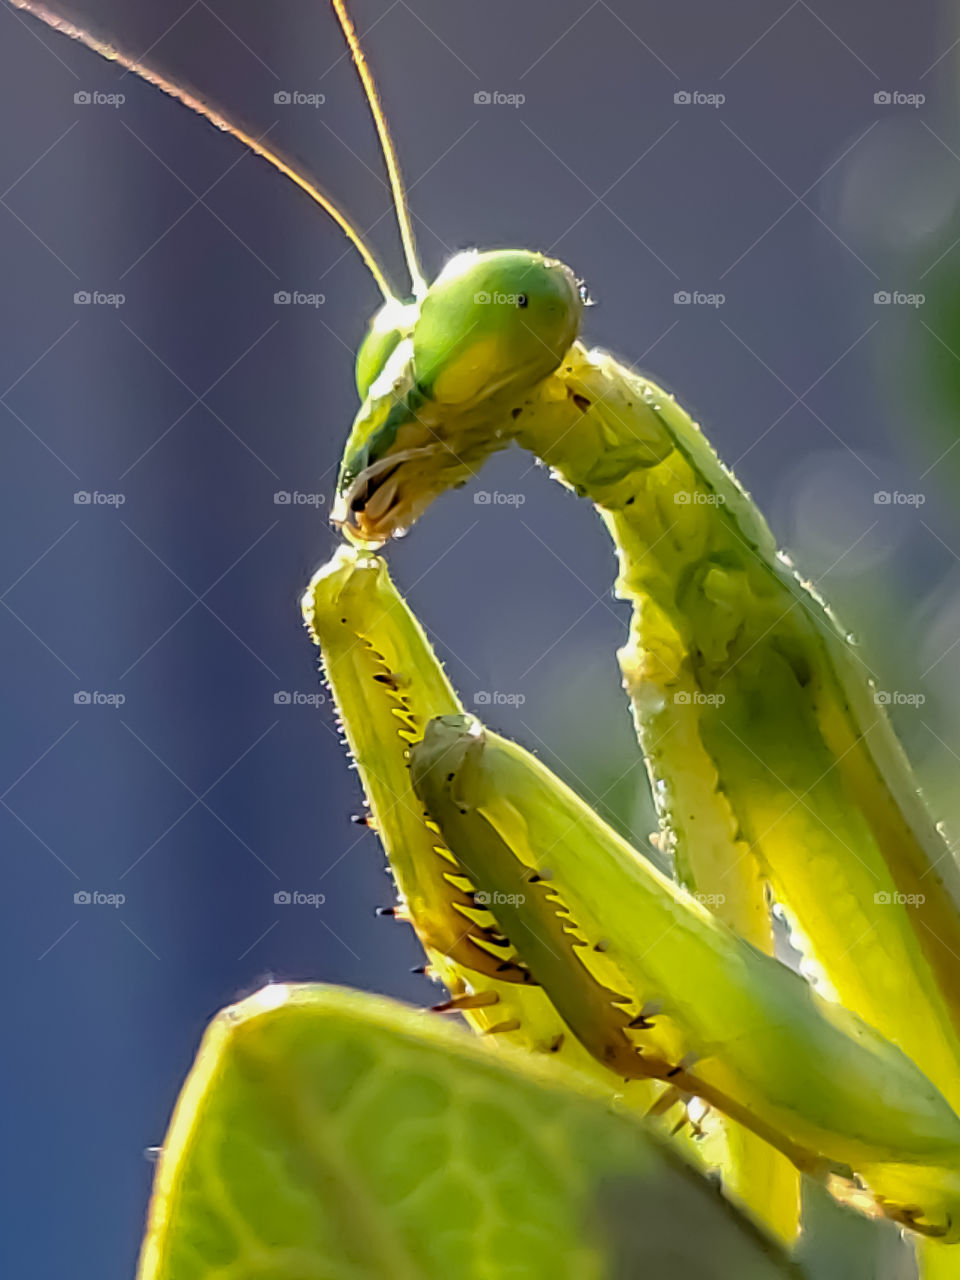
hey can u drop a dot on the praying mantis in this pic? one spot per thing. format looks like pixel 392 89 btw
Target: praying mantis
pixel 776 775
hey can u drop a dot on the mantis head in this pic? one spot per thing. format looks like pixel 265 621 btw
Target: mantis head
pixel 439 379
pixel 438 373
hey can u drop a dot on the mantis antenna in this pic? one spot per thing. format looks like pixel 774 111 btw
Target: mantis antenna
pixel 219 121
pixel 386 145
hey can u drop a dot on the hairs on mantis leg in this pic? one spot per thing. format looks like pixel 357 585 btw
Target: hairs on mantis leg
pixel 489 847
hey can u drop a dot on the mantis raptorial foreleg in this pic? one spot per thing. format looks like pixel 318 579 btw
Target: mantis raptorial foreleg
pixel 388 684
pixel 631 971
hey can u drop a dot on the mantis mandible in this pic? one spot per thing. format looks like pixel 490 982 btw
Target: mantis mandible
pixel 775 771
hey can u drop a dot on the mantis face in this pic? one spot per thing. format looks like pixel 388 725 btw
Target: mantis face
pixel 453 367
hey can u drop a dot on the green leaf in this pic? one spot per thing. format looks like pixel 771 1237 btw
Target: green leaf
pixel 327 1135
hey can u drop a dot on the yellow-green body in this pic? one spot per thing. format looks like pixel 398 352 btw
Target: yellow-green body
pixel 726 1023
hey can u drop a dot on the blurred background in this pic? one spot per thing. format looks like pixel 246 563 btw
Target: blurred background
pixel 764 204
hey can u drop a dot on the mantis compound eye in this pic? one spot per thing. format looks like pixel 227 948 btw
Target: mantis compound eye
pixel 491 321
pixel 389 326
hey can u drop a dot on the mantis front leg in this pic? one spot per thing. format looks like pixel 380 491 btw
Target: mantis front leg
pixel 633 977
pixel 388 685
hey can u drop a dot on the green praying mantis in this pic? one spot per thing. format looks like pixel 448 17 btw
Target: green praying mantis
pixel 775 772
